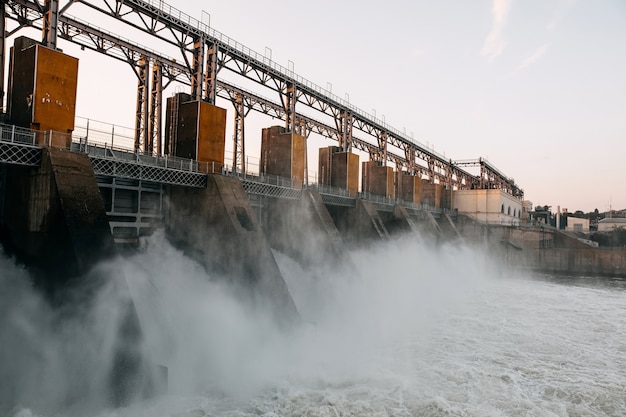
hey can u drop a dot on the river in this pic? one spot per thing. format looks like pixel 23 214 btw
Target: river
pixel 401 329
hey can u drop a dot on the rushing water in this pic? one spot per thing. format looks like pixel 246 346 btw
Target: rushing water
pixel 403 329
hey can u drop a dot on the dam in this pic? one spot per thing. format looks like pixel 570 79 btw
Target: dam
pixel 70 199
pixel 177 150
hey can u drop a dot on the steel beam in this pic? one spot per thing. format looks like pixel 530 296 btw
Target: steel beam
pixel 197 70
pixel 50 23
pixel 156 100
pixel 239 150
pixel 212 68
pixel 289 101
pixel 3 22
pixel 141 114
pixel 168 24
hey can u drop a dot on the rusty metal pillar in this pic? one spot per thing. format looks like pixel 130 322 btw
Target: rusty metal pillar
pixel 382 147
pixel 50 23
pixel 448 169
pixel 482 173
pixel 345 130
pixel 239 150
pixel 431 169
pixel 290 106
pixel 141 114
pixel 197 70
pixel 409 153
pixel 172 120
pixel 156 99
pixel 210 79
pixel 3 22
pixel 305 132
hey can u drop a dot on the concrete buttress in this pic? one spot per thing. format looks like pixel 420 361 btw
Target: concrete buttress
pixel 55 222
pixel 359 224
pixel 54 216
pixel 303 229
pixel 448 228
pixel 217 227
pixel 399 221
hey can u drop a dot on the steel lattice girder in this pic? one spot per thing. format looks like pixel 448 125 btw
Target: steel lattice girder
pixel 19 154
pixel 338 200
pixel 136 171
pixel 270 190
pixel 158 19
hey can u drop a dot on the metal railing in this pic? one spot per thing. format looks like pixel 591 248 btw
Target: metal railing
pixel 124 162
pixel 15 134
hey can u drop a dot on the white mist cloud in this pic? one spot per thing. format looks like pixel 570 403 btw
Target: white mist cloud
pixel 54 360
pixel 494 43
pixel 218 349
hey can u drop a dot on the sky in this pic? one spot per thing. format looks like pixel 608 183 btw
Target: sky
pixel 538 87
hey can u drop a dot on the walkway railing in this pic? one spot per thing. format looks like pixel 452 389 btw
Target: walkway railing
pixel 23 146
pixel 18 146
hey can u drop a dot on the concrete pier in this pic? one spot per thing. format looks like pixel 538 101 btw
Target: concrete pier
pixel 359 225
pixel 431 194
pixel 338 169
pixel 448 228
pixel 399 222
pixel 377 179
pixel 303 229
pixel 54 216
pixel 42 94
pixel 408 187
pixel 217 227
pixel 283 154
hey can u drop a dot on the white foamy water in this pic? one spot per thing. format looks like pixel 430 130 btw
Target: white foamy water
pixel 404 329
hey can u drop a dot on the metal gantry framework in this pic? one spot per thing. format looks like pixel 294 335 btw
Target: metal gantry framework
pixel 204 53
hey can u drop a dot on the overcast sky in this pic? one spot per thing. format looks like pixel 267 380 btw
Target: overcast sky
pixel 538 87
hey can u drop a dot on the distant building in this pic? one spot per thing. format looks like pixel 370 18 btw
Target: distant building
pixel 576 224
pixel 490 206
pixel 527 208
pixel 608 224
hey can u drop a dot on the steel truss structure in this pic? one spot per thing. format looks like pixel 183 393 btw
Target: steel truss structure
pixel 119 169
pixel 203 53
pixel 270 190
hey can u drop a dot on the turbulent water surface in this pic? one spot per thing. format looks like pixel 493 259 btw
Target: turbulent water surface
pixel 402 329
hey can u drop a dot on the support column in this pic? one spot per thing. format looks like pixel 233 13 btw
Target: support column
pixel 382 146
pixel 156 101
pixel 210 79
pixel 50 22
pixel 217 226
pixel 290 106
pixel 2 53
pixel 482 173
pixel 409 153
pixel 141 115
pixel 55 217
pixel 359 225
pixel 197 70
pixel 345 131
pixel 431 169
pixel 239 150
pixel 377 179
